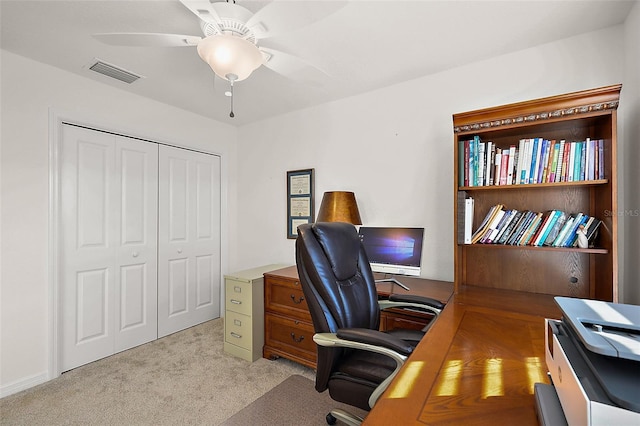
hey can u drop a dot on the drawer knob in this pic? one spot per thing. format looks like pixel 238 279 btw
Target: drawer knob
pixel 236 335
pixel 296 339
pixel 297 302
pixel 236 302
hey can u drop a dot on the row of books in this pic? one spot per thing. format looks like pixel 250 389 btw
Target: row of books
pixel 553 228
pixel 534 160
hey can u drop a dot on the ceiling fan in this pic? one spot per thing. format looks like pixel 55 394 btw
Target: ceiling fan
pixel 233 41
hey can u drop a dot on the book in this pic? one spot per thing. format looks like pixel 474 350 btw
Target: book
pixel 481 161
pixel 492 230
pixel 504 163
pixel 510 215
pixel 468 220
pixel 517 232
pixel 531 229
pixel 490 152
pixel 544 156
pixel 565 229
pixel 518 175
pixel 546 218
pixel 571 233
pixel 482 229
pixel 558 174
pixel 502 239
pixel 534 160
pixel 555 229
pixel 512 157
pixel 601 173
pixel 553 217
pixel 496 166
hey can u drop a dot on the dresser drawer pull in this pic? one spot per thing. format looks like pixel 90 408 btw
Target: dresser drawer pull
pixel 298 340
pixel 236 335
pixel 297 302
pixel 236 302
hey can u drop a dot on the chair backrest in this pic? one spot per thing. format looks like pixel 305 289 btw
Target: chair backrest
pixel 338 285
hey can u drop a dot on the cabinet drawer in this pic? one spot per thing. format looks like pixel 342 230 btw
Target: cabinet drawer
pixel 396 318
pixel 238 296
pixel 238 329
pixel 290 335
pixel 286 297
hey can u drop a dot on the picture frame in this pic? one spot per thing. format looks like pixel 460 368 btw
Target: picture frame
pixel 300 202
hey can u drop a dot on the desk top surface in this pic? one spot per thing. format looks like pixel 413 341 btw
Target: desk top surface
pixel 476 365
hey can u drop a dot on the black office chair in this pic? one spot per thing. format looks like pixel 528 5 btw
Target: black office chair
pixel 356 362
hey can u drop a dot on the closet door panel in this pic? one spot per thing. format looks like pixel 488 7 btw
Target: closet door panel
pixel 189 239
pixel 136 292
pixel 87 239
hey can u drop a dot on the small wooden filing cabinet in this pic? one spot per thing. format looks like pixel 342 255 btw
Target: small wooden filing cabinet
pixel 244 312
pixel 288 328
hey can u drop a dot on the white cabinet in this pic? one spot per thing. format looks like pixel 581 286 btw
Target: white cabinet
pixel 244 312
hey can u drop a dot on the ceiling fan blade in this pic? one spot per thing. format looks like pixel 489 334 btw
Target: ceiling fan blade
pixel 203 10
pixel 148 39
pixel 292 66
pixel 280 17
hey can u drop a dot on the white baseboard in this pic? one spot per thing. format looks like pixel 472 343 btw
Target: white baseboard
pixel 22 384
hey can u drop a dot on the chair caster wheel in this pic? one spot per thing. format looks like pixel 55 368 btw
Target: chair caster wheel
pixel 330 419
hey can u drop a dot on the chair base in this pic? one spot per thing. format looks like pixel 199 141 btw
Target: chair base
pixel 344 417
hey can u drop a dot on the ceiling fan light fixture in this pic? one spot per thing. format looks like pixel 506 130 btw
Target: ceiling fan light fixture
pixel 228 54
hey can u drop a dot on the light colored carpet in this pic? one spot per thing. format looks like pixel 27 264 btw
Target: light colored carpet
pixel 293 402
pixel 182 379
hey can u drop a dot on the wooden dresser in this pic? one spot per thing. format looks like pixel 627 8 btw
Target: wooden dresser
pixel 288 327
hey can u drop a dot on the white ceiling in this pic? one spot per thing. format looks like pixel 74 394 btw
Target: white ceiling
pixel 363 46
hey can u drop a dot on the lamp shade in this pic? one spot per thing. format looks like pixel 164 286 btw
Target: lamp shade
pixel 230 55
pixel 339 206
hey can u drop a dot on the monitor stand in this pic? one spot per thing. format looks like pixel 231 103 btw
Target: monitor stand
pixel 393 280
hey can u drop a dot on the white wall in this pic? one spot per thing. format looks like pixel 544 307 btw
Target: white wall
pixel 30 90
pixel 394 147
pixel 630 152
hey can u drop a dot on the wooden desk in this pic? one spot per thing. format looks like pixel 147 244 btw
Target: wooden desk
pixel 476 365
pixel 288 327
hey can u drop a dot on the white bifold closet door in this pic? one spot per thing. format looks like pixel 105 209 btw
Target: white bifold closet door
pixel 140 242
pixel 188 239
pixel 108 233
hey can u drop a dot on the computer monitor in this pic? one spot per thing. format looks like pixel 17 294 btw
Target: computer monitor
pixel 394 250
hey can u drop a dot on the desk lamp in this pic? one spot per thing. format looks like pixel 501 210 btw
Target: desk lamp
pixel 339 206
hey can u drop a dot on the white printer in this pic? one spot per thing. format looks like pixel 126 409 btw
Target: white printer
pixel 593 357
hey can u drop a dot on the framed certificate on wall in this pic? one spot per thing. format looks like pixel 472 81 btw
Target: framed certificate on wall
pixel 300 207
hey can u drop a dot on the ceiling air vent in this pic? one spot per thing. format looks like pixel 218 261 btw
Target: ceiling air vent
pixel 113 71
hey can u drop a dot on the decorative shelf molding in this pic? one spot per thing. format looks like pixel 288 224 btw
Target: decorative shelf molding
pixel 537 116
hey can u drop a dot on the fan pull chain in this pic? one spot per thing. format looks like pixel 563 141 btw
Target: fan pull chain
pixel 231 78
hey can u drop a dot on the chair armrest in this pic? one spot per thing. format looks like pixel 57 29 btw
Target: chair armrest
pixel 377 338
pixel 408 301
pixel 365 343
pixel 421 300
pixel 331 339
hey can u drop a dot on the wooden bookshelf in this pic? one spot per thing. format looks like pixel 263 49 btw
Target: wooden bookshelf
pixel 566 271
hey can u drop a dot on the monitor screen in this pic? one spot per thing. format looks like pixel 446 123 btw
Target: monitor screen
pixel 393 250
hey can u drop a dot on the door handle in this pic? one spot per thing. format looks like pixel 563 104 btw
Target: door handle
pixel 179 250
pixel 134 254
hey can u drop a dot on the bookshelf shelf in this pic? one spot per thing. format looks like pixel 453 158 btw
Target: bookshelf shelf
pixel 594 250
pixel 533 185
pixel 564 271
